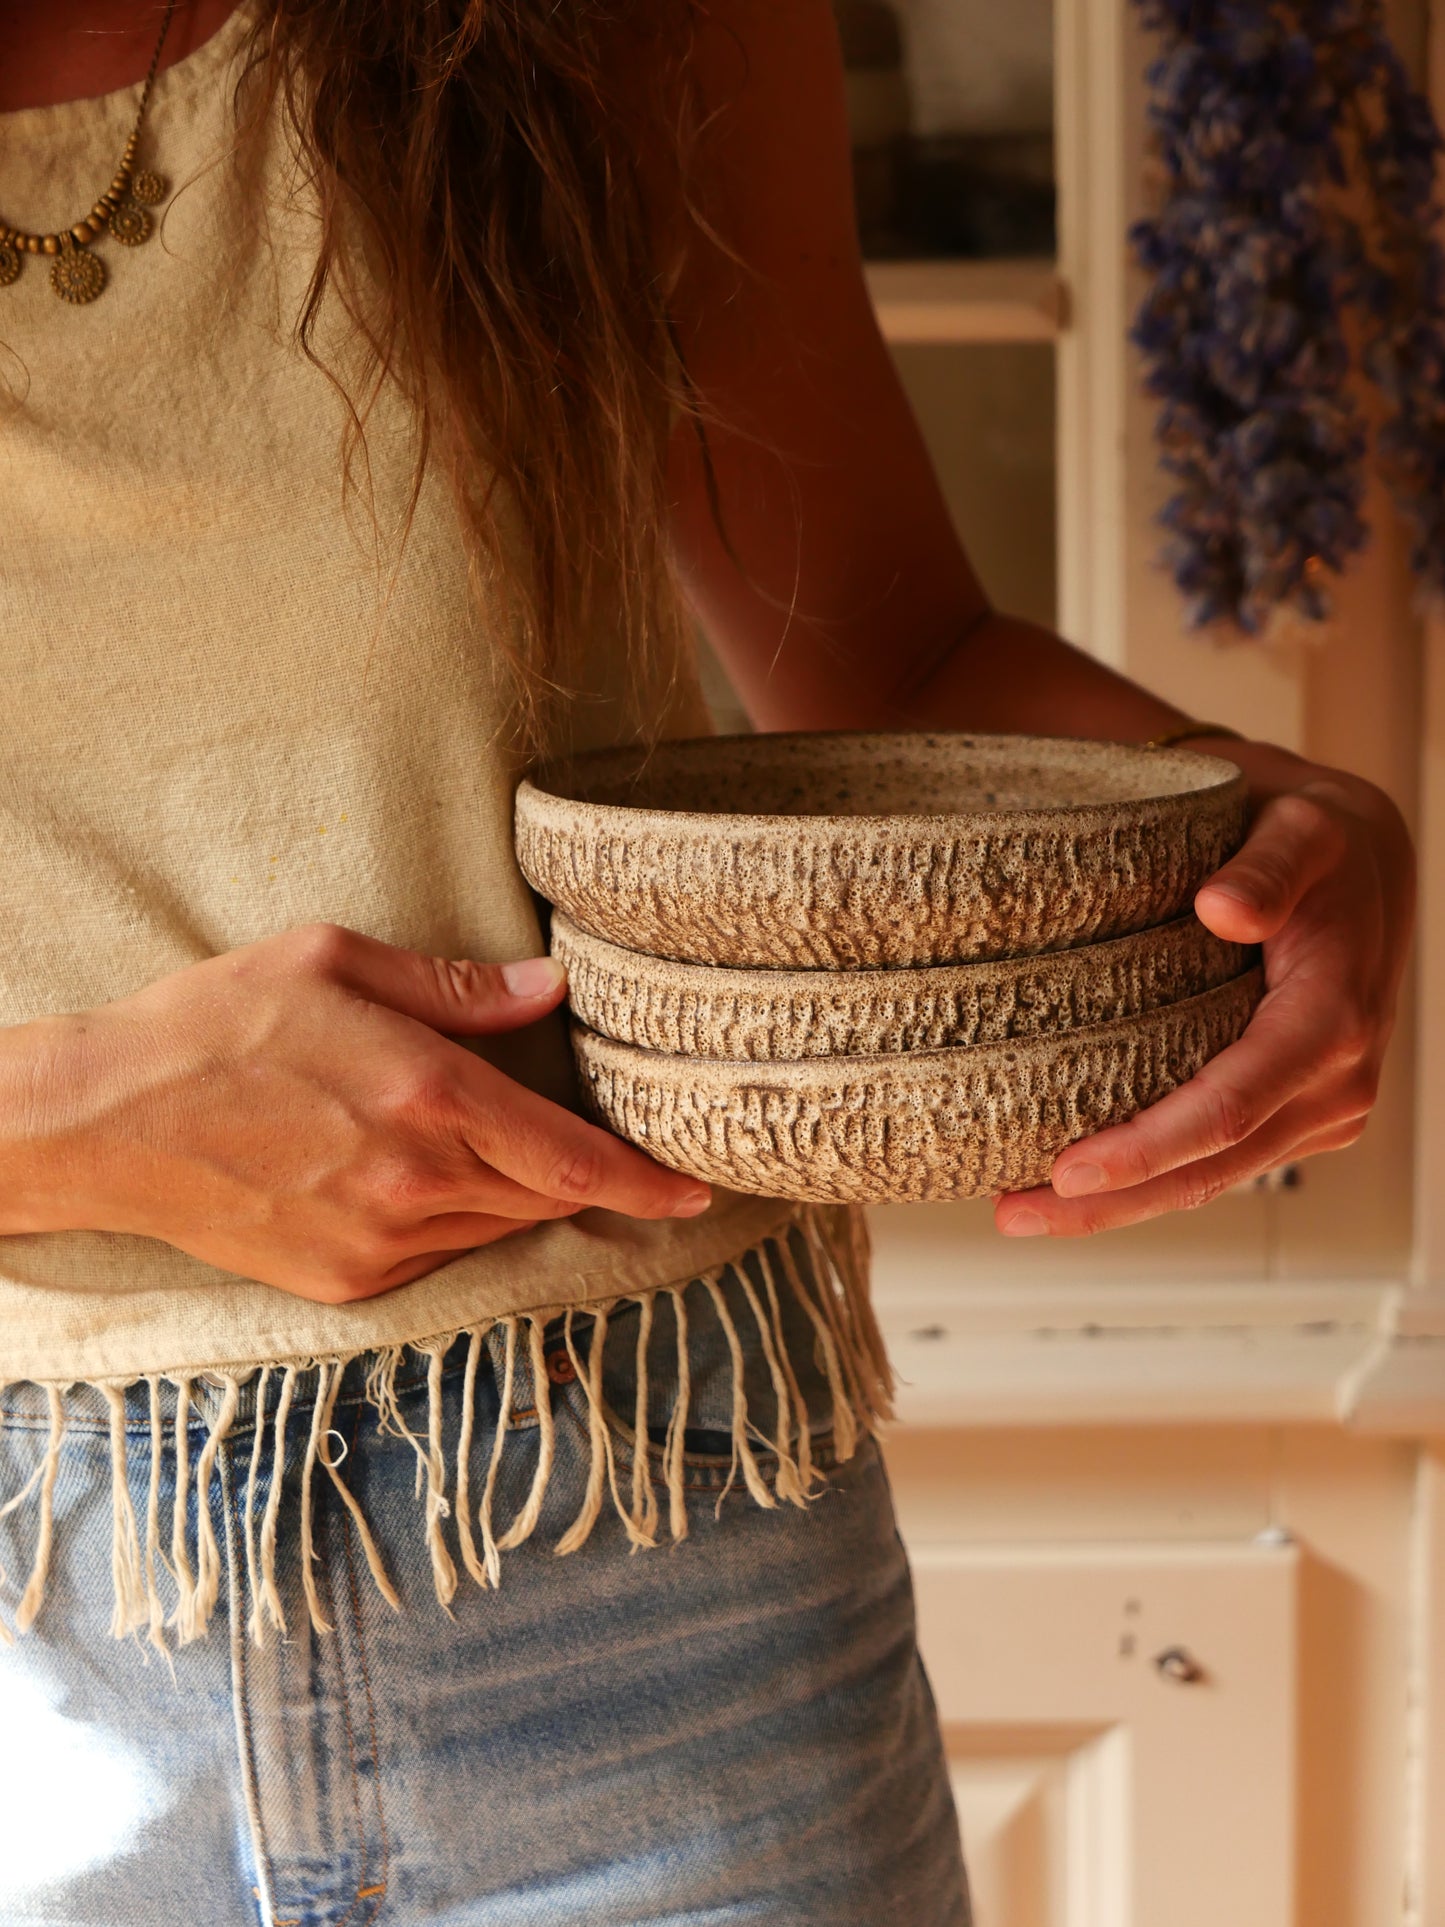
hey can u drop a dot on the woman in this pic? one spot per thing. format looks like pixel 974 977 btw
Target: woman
pixel 470 334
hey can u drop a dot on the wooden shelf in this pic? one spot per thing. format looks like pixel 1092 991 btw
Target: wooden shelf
pixel 968 301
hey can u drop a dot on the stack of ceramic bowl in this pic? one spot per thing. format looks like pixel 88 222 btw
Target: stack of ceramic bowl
pixel 885 967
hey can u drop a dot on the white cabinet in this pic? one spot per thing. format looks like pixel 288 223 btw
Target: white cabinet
pixel 1120 1726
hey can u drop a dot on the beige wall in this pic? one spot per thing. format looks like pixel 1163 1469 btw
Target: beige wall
pixel 987 411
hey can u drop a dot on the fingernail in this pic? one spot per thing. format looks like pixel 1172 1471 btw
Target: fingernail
pixel 692 1203
pixel 1078 1179
pixel 1244 898
pixel 1025 1224
pixel 533 976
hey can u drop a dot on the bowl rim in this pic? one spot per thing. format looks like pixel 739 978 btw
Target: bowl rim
pixel 1224 779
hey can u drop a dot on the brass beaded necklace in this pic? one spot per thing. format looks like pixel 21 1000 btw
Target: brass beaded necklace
pixel 76 274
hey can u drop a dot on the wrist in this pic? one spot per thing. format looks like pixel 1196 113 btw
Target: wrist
pixel 1269 770
pixel 45 1067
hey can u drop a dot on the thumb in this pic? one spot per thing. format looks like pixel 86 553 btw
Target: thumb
pixel 1295 841
pixel 453 995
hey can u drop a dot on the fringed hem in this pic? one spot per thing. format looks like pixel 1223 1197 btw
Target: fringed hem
pixel 780 1466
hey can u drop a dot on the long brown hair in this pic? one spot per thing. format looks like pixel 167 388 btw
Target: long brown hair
pixel 504 210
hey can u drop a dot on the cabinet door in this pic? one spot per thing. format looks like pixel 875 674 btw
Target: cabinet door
pixel 1120 1727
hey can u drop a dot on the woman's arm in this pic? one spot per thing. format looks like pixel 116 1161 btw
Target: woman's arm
pixel 841 597
pixel 297 1111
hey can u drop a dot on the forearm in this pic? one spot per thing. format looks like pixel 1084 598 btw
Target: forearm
pixel 1010 676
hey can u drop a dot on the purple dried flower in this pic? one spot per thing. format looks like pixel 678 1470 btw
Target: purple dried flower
pixel 1260 110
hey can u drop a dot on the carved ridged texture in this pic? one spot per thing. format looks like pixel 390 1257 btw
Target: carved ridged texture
pixel 697 1010
pixel 850 892
pixel 930 1126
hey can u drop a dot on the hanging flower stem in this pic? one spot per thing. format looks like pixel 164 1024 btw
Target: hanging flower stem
pixel 1294 246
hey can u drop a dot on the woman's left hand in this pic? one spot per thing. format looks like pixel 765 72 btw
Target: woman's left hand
pixel 1325 881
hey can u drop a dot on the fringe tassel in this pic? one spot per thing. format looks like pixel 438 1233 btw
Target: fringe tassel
pixel 808 1477
pixel 845 1429
pixel 525 1523
pixel 381 1393
pixel 430 1463
pixel 34 1594
pixel 270 1592
pixel 155 1611
pixel 444 1572
pixel 208 1556
pixel 590 1380
pixel 837 1243
pixel 644 1494
pixel 672 1451
pixel 131 1609
pixel 490 1554
pixel 785 1480
pixel 465 1536
pixel 742 1446
pixel 184 1616
pixel 255 1624
pixel 7 1637
pixel 819 1258
pixel 370 1550
pixel 319 1620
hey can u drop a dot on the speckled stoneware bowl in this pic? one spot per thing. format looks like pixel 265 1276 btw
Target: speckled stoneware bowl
pixel 850 851
pixel 910 1127
pixel 699 1010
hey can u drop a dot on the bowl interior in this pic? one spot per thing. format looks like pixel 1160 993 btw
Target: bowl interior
pixel 823 774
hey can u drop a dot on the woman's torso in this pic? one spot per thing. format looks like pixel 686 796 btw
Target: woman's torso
pixel 237 700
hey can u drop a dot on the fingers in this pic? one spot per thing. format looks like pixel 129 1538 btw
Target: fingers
pixel 369 1272
pixel 1230 1099
pixel 453 995
pixel 1293 1134
pixel 481 1230
pixel 488 1192
pixel 1296 841
pixel 1338 1137
pixel 560 1156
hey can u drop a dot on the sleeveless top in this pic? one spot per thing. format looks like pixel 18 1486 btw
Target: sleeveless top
pixel 235 700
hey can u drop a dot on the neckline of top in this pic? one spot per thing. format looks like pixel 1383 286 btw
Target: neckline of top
pixel 190 68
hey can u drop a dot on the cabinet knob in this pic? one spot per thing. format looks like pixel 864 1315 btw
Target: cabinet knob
pixel 1178 1663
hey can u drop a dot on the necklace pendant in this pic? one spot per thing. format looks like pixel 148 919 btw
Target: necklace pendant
pixel 130 224
pixel 76 274
pixel 148 187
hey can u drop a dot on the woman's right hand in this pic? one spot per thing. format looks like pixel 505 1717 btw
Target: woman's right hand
pixel 296 1112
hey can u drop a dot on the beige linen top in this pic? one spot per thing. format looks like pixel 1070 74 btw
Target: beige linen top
pixel 230 707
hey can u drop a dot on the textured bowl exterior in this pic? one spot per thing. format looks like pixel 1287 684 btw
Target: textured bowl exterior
pixel 1009 846
pixel 926 1125
pixel 699 1010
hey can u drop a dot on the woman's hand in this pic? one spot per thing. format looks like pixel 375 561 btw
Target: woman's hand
pixel 1325 881
pixel 296 1112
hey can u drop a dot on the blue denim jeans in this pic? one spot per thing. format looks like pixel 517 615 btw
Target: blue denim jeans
pixel 736 1728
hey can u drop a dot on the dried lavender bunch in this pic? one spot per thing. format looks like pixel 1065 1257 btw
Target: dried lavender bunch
pixel 1264 114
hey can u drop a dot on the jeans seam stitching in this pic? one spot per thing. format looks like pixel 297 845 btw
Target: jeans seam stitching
pixel 240 1675
pixel 344 1696
pixel 356 1620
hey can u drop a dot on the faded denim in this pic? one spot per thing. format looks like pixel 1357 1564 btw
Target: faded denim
pixel 734 1729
